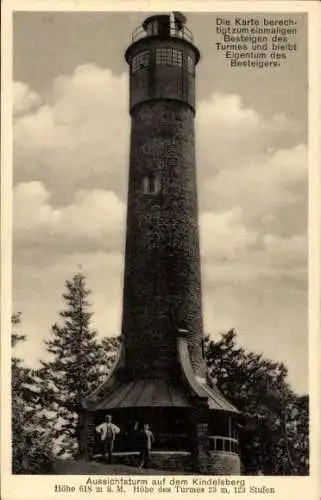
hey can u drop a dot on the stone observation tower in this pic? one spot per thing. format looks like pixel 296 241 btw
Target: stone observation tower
pixel 160 376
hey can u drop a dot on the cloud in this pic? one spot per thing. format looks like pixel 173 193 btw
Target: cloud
pixel 78 137
pixel 223 235
pixel 229 134
pixel 271 189
pixel 228 110
pixel 94 219
pixel 233 252
pixel 24 99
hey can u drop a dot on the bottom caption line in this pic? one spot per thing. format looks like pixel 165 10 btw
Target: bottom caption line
pixel 164 485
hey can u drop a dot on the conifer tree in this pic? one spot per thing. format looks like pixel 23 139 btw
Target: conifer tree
pixel 77 363
pixel 31 441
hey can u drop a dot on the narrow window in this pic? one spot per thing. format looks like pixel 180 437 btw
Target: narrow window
pixel 157 184
pixel 155 28
pixel 152 28
pixel 151 184
pixel 145 184
pixel 190 65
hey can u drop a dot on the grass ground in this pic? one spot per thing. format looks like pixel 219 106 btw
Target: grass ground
pixel 78 467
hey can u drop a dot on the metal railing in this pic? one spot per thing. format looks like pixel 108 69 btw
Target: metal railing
pixel 163 442
pixel 224 444
pixel 184 33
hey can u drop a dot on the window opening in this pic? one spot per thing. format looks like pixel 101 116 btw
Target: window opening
pixel 151 184
pixel 190 65
pixel 169 56
pixel 152 28
pixel 140 61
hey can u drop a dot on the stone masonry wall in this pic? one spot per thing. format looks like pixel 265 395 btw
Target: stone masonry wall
pixel 224 464
pixel 162 285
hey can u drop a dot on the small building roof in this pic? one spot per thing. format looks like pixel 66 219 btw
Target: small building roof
pixel 157 393
pixel 144 393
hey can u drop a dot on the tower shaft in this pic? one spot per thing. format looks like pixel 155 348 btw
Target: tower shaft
pixel 162 287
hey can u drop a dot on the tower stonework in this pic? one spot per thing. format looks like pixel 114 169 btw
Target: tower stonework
pixel 162 289
pixel 160 375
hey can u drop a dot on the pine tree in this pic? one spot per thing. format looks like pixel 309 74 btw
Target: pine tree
pixel 78 363
pixel 31 442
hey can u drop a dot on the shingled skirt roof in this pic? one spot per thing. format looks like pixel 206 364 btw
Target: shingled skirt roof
pixel 157 393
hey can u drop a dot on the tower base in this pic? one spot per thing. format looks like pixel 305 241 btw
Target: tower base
pixel 193 424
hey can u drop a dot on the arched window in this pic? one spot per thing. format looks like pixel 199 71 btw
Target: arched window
pixel 151 184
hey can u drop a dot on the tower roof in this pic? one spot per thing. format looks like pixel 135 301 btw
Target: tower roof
pixel 169 25
pixel 178 18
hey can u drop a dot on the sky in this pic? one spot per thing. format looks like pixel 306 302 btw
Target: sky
pixel 71 145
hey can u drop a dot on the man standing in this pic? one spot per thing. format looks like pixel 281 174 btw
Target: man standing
pixel 107 431
pixel 147 440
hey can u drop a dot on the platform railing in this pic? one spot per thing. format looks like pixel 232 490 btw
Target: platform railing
pixel 224 444
pixel 184 33
pixel 175 443
pixel 124 443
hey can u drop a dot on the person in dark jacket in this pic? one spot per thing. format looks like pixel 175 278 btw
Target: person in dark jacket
pixel 146 442
pixel 135 437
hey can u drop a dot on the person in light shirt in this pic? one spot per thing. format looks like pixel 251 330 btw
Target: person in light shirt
pixel 108 432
